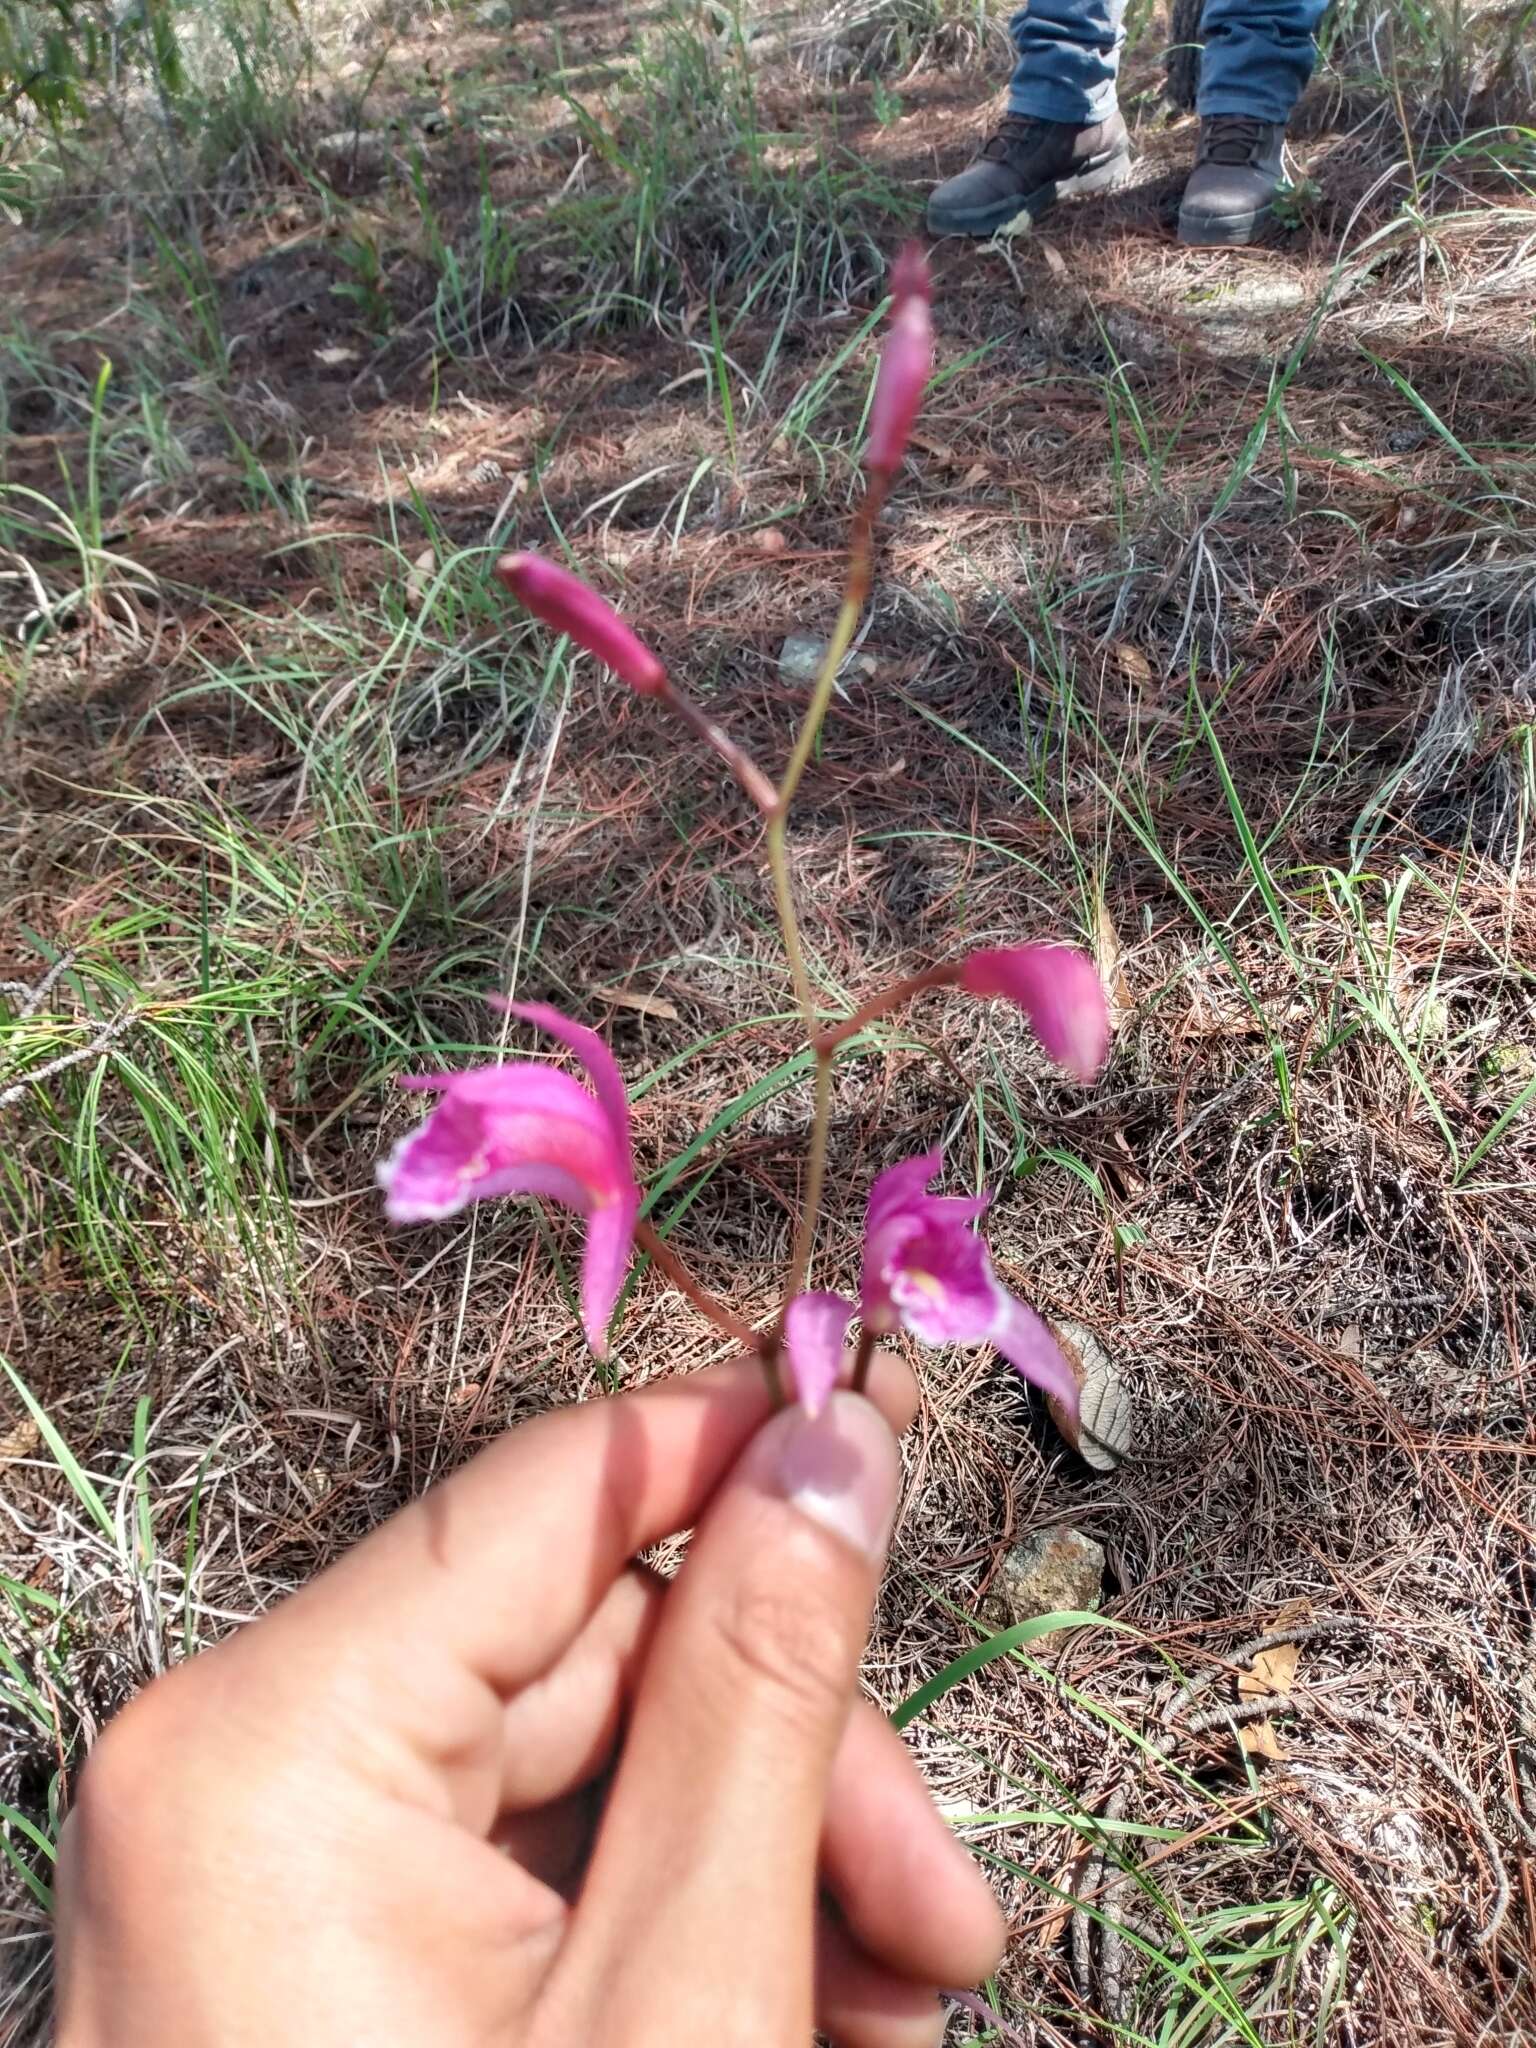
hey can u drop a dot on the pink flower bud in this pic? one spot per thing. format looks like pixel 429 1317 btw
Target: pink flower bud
pixel 814 1329
pixel 906 363
pixel 567 605
pixel 1059 991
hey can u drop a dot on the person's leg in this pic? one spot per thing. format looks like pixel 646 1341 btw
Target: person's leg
pixel 1062 136
pixel 1068 55
pixel 1258 56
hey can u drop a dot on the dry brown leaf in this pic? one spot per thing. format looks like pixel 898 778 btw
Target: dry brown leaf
pixel 21 1441
pixel 1133 664
pixel 1258 1738
pixel 1272 1671
pixel 634 999
pixel 1271 1675
pixel 1106 948
pixel 334 357
pixel 1055 262
pixel 1048 1930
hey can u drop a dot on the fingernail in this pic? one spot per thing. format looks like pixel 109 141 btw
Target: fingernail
pixel 841 1469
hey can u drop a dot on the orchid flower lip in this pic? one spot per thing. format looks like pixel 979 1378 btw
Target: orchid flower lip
pixel 926 1270
pixel 528 1127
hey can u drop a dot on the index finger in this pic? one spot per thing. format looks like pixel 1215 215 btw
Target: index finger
pixel 498 1568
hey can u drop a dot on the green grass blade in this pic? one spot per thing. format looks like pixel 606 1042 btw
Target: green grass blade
pixel 1003 1644
pixel 83 1487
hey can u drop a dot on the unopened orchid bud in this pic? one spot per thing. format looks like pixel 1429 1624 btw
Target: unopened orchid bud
pixel 1059 991
pixel 569 606
pixel 906 363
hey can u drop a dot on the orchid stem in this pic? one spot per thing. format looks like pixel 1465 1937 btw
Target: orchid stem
pixel 746 771
pixel 855 592
pixel 665 1260
pixel 815 1177
pixel 778 822
pixel 826 1043
pixel 862 1358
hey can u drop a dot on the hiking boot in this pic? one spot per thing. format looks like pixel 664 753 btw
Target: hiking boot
pixel 1025 167
pixel 1239 167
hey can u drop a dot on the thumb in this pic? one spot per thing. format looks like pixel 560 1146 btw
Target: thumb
pixel 702 1886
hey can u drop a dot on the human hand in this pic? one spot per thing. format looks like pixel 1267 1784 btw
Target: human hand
pixel 487 1781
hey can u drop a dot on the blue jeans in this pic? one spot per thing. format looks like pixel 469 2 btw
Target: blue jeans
pixel 1258 56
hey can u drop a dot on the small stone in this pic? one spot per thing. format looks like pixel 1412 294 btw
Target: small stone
pixel 800 658
pixel 364 148
pixel 1051 1571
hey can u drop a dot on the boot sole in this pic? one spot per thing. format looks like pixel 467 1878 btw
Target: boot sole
pixel 1222 230
pixel 1104 174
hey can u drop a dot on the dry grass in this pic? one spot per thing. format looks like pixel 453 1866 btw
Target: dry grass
pixel 1206 629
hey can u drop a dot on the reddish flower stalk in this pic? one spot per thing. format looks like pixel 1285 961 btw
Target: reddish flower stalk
pixel 746 771
pixel 896 997
pixel 665 1260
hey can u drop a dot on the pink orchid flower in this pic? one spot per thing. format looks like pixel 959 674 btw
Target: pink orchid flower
pixel 927 1271
pixel 1059 991
pixel 814 1329
pixel 569 606
pixel 523 1128
pixel 906 364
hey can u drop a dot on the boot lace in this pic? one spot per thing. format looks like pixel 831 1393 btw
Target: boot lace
pixel 1014 135
pixel 1232 139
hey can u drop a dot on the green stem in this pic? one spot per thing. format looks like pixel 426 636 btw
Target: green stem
pixel 815 1177
pixel 862 1358
pixel 821 694
pixel 789 923
pixel 855 592
pixel 778 821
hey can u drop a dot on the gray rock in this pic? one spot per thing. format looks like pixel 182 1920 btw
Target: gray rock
pixel 362 149
pixel 800 658
pixel 1052 1571
pixel 802 654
